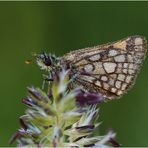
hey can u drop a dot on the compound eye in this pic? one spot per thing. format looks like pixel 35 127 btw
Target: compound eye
pixel 47 61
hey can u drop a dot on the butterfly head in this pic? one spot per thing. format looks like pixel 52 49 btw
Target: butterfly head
pixel 47 61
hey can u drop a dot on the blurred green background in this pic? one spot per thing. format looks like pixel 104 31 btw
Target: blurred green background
pixel 59 27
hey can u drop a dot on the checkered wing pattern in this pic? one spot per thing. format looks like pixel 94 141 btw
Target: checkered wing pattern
pixel 109 69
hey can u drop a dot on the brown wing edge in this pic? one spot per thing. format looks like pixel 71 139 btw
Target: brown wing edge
pixel 145 46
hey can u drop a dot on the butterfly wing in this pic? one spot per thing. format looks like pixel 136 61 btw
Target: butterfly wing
pixel 109 69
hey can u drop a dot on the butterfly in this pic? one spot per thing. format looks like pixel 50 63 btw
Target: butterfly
pixel 109 69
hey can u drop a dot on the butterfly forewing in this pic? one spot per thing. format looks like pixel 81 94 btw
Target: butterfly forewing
pixel 109 69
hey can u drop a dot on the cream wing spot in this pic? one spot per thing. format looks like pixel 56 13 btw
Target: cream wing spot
pixel 113 90
pixel 120 58
pixel 98 68
pixel 138 41
pixel 121 77
pixel 112 53
pixel 106 86
pixel 125 65
pixel 95 57
pixel 114 76
pixel 119 70
pixel 88 78
pixel 109 67
pixel 130 58
pixel 104 78
pixel 140 54
pixel 82 62
pixel 119 65
pixel 128 79
pixel 111 82
pixel 131 66
pixel 119 92
pixel 125 71
pixel 88 68
pixel 130 71
pixel 138 61
pixel 98 83
pixel 124 85
pixel 118 84
pixel 138 48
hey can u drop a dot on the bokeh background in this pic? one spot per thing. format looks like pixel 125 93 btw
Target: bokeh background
pixel 59 27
